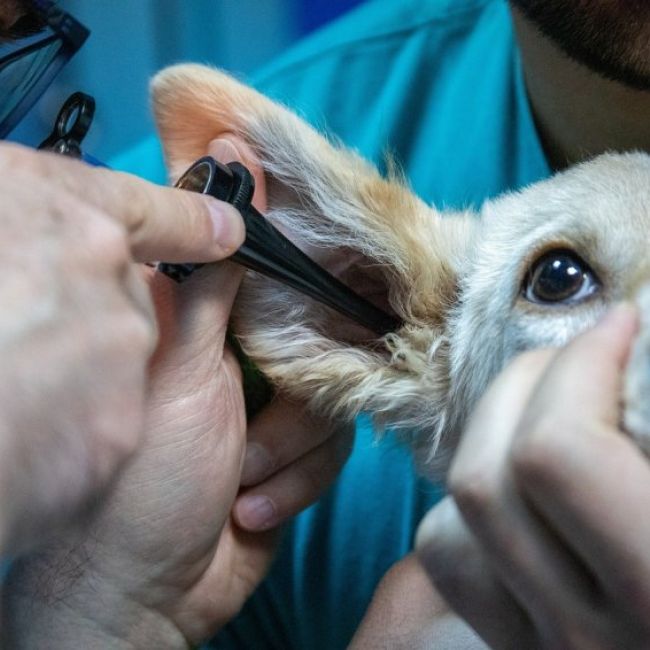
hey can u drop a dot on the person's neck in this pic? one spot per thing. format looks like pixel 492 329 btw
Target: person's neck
pixel 578 113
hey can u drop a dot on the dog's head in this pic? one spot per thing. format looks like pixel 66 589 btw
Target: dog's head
pixel 533 269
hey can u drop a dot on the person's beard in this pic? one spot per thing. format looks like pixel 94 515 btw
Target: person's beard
pixel 17 19
pixel 611 37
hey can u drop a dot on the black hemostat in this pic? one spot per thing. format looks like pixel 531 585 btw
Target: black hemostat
pixel 267 251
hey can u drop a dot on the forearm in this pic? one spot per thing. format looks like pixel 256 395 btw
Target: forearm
pixel 66 607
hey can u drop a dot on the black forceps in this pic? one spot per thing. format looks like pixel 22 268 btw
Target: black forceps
pixel 267 251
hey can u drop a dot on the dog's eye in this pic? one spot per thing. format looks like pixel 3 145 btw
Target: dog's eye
pixel 560 276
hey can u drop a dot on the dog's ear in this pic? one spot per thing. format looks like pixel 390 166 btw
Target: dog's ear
pixel 329 198
pixel 325 195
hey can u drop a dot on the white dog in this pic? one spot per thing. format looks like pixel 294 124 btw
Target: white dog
pixel 531 269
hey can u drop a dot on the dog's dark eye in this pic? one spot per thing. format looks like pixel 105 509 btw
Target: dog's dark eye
pixel 560 276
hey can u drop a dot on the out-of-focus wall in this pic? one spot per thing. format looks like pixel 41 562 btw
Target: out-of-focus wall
pixel 131 39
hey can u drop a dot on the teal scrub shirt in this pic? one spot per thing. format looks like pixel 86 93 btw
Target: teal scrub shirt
pixel 438 85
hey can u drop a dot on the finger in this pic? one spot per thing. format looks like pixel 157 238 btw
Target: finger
pixel 253 552
pixel 560 463
pixel 294 488
pixel 485 443
pixel 221 282
pixel 528 559
pixel 407 613
pixel 280 434
pixel 597 501
pixel 136 289
pixel 193 316
pixel 459 569
pixel 604 351
pixel 162 223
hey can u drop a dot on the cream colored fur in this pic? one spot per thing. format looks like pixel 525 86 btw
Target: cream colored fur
pixel 455 278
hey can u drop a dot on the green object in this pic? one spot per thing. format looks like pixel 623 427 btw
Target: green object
pixel 258 392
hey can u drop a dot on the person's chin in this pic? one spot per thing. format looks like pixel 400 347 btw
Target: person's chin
pixel 610 37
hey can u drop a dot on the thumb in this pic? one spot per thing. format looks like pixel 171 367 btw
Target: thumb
pixel 603 351
pixel 193 316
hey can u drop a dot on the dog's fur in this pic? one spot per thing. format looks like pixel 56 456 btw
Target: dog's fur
pixel 457 280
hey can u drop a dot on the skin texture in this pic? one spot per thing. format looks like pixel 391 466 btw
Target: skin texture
pixel 579 113
pixel 164 551
pixel 547 511
pixel 407 613
pixel 79 326
pixel 542 543
pixel 159 612
pixel 571 212
pixel 611 37
pixel 538 545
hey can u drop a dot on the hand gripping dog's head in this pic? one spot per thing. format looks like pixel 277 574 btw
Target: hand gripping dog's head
pixel 532 269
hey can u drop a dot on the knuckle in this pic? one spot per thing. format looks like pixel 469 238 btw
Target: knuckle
pixel 147 332
pixel 119 447
pixel 473 491
pixel 537 451
pixel 122 444
pixel 117 434
pixel 431 536
pixel 442 541
pixel 139 332
pixel 139 202
pixel 107 242
pixel 120 423
pixel 17 158
pixel 120 344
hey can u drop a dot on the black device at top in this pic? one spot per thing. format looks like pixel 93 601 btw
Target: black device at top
pixel 267 251
pixel 41 42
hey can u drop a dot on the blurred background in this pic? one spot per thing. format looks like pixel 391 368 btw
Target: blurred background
pixel 131 39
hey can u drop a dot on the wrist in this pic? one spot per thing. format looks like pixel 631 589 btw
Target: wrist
pixel 65 604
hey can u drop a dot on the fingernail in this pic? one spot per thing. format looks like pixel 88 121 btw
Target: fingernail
pixel 227 225
pixel 257 464
pixel 256 512
pixel 228 230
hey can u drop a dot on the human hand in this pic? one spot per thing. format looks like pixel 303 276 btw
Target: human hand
pixel 544 540
pixel 167 561
pixel 291 458
pixel 407 613
pixel 160 564
pixel 78 325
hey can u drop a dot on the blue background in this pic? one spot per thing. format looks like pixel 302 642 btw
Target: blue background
pixel 131 39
